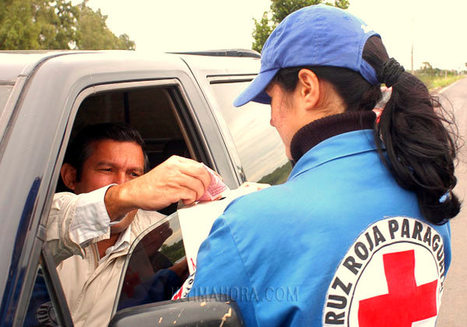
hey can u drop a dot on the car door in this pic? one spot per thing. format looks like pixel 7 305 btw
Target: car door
pixel 50 101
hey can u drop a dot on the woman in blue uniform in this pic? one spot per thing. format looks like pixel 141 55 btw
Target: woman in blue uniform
pixel 359 233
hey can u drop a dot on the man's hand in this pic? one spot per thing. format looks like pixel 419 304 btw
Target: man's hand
pixel 175 179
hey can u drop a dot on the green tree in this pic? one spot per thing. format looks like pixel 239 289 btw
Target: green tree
pixel 57 21
pixel 93 33
pixel 17 28
pixel 126 43
pixel 278 11
pixel 55 24
pixel 427 68
pixel 261 32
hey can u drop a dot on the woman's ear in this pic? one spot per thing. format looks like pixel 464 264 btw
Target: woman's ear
pixel 309 88
pixel 68 173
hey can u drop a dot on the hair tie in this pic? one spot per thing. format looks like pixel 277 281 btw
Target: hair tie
pixel 446 196
pixel 391 72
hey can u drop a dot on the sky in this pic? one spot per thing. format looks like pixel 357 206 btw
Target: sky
pixel 435 29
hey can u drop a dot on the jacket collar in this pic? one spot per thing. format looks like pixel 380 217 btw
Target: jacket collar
pixel 319 130
pixel 332 137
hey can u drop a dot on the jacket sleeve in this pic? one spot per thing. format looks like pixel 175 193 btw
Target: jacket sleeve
pixel 220 270
pixel 75 221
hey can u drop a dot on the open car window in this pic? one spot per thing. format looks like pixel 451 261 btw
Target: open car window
pixel 155 266
pixel 157 110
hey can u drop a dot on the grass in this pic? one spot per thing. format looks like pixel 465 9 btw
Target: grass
pixel 438 82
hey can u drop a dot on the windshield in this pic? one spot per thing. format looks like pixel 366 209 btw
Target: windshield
pixel 5 91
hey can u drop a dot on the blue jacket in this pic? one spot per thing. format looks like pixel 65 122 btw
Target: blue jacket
pixel 339 240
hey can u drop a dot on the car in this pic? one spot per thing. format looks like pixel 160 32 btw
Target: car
pixel 180 102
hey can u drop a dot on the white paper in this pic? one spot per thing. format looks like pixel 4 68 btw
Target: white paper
pixel 196 221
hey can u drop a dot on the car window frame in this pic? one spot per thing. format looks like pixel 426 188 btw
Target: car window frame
pixel 185 117
pixel 5 93
pixel 225 130
pixel 184 113
pixel 7 112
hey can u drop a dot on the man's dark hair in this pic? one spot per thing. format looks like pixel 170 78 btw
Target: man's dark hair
pixel 81 147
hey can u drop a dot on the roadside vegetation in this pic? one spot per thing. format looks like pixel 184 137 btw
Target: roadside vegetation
pixel 278 176
pixel 435 78
pixel 438 82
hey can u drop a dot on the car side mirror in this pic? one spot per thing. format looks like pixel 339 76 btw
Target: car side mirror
pixel 213 310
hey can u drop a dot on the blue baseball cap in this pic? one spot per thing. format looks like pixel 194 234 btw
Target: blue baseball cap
pixel 318 35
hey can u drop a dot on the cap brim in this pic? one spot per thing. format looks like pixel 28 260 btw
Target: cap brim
pixel 256 91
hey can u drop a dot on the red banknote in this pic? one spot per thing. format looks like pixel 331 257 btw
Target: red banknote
pixel 215 188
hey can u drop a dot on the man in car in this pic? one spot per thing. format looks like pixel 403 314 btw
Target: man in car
pixel 113 200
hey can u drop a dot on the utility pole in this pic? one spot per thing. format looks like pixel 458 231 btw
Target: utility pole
pixel 412 32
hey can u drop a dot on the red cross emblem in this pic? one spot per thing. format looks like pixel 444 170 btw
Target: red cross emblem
pixel 405 302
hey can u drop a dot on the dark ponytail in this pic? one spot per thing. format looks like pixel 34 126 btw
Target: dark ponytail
pixel 413 137
pixel 419 147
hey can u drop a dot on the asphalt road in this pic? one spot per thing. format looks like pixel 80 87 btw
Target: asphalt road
pixel 454 303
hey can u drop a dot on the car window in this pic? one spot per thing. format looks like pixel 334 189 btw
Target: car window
pixel 156 263
pixel 258 144
pixel 5 91
pixel 155 267
pixel 148 109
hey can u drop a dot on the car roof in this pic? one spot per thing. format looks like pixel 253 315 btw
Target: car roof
pixel 23 63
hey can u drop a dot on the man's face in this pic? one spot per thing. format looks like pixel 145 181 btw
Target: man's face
pixel 111 162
